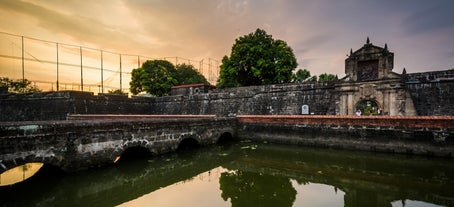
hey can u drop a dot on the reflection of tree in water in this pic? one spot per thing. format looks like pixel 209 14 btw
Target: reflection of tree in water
pixel 254 189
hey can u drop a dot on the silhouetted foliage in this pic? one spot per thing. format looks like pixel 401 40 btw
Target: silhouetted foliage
pixel 187 74
pixel 117 92
pixel 18 86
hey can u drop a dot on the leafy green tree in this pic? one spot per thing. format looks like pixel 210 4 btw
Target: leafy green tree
pixel 313 79
pixel 257 59
pixel 327 77
pixel 301 75
pixel 155 77
pixel 186 74
pixel 18 86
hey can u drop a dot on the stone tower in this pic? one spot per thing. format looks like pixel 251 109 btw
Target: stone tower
pixel 371 86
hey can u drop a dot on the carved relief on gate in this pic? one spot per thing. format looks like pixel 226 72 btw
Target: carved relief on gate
pixel 367 70
pixel 367 91
pixel 400 101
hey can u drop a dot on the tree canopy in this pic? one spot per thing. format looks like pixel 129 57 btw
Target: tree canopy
pixel 157 77
pixel 257 59
pixel 301 75
pixel 18 86
pixel 327 77
pixel 187 74
pixel 154 77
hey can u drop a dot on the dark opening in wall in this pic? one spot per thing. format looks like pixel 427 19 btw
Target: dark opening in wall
pixel 225 138
pixel 133 153
pixel 188 144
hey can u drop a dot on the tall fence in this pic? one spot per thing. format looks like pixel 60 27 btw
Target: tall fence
pixel 54 66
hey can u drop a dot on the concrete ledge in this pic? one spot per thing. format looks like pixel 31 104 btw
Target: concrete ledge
pixel 134 116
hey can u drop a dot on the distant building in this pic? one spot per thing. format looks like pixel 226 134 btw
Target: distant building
pixel 191 89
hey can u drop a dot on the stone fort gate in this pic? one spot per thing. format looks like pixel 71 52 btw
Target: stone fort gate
pixel 371 84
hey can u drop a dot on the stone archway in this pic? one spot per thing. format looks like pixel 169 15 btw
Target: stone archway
pixel 367 107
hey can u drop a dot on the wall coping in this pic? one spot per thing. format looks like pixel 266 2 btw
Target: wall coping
pixel 427 122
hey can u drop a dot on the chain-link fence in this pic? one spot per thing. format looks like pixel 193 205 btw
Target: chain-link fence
pixel 53 66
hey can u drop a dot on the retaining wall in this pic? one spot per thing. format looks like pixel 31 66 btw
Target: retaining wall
pixel 405 135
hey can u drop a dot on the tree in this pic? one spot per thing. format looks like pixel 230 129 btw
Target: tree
pixel 257 59
pixel 313 79
pixel 155 77
pixel 186 74
pixel 326 77
pixel 301 75
pixel 117 92
pixel 18 86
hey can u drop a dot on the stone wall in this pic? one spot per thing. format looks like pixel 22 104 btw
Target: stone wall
pixel 267 99
pixel 432 92
pixel 432 136
pixel 57 105
pixel 78 144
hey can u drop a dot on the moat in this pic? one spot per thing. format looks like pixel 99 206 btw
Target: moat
pixel 246 174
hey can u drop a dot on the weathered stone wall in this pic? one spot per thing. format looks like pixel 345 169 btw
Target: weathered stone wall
pixel 432 92
pixel 78 144
pixel 432 136
pixel 267 99
pixel 57 105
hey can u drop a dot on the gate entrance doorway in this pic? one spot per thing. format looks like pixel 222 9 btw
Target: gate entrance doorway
pixel 368 107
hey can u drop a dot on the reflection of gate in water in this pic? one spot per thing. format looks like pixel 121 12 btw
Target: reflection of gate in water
pixel 367 107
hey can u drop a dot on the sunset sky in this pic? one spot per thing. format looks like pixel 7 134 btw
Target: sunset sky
pixel 320 32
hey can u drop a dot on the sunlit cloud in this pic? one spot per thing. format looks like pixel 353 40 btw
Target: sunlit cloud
pixel 321 33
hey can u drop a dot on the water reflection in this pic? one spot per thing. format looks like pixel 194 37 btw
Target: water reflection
pixel 203 190
pixel 408 203
pixel 245 188
pixel 19 173
pixel 316 194
pixel 247 174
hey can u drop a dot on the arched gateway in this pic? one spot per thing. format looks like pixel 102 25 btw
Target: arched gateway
pixel 368 107
pixel 370 81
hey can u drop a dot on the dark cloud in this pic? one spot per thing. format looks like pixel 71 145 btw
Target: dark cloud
pixel 430 18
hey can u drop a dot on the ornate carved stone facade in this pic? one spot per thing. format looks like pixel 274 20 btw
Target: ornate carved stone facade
pixel 371 86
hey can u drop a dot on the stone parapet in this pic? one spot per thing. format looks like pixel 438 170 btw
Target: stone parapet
pixel 433 136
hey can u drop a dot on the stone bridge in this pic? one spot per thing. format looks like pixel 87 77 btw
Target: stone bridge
pixel 84 142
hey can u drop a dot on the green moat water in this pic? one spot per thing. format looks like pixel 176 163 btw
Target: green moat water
pixel 247 174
